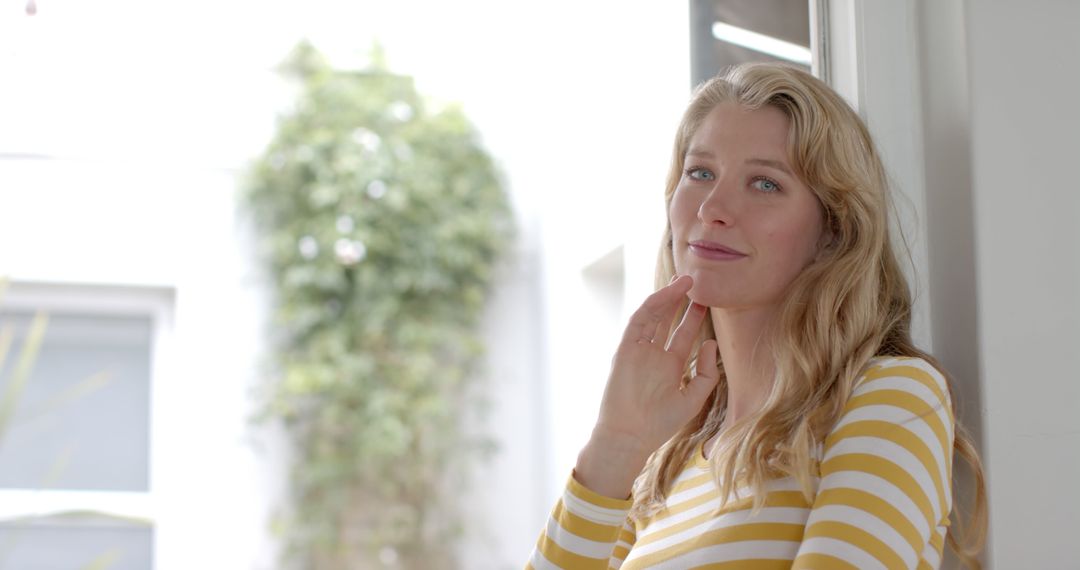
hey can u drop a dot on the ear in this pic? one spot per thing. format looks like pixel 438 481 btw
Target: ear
pixel 830 236
pixel 828 240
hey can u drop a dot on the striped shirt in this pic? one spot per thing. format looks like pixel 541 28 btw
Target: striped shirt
pixel 883 498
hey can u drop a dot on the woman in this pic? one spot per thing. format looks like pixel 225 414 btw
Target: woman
pixel 766 406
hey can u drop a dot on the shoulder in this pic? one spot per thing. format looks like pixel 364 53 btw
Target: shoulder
pixel 886 471
pixel 902 391
pixel 899 375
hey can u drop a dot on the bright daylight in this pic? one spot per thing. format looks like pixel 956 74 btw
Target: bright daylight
pixel 491 285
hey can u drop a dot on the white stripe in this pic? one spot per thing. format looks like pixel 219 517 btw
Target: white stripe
pixel 881 488
pixel 910 386
pixel 789 515
pixel 742 550
pixel 540 563
pixel 691 493
pixel 741 492
pixel 921 364
pixel 783 484
pixel 892 414
pixel 869 523
pixel 930 554
pixel 691 470
pixel 925 366
pixel 656 526
pixel 900 456
pixel 576 544
pixel 589 511
pixel 842 550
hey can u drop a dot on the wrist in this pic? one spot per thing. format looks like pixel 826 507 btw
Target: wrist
pixel 609 464
pixel 619 445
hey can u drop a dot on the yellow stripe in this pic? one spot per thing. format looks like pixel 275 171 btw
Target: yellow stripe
pixel 583 527
pixel 627 536
pixel 907 401
pixel 564 558
pixel 817 561
pixel 887 470
pixel 692 482
pixel 859 538
pixel 877 507
pixel 937 541
pixel 904 438
pixel 775 499
pixel 917 374
pixel 596 499
pixel 924 565
pixel 738 533
pixel 686 505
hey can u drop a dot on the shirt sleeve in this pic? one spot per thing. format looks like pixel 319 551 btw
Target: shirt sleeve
pixel 885 492
pixel 586 531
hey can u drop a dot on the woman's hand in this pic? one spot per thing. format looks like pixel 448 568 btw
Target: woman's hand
pixel 645 402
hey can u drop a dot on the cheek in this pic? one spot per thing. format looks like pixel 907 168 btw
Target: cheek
pixel 795 241
pixel 682 213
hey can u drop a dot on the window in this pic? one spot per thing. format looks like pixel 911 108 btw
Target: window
pixel 76 486
pixel 728 32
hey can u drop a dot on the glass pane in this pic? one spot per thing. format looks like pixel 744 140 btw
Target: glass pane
pixel 728 32
pixel 82 418
pixel 76 542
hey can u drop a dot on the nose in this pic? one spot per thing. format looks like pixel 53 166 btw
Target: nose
pixel 718 205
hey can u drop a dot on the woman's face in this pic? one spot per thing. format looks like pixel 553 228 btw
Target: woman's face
pixel 743 225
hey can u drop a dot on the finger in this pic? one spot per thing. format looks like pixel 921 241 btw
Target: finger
pixel 658 309
pixel 706 360
pixel 682 340
pixel 707 376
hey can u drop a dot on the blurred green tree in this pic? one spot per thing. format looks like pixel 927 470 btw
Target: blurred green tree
pixel 380 224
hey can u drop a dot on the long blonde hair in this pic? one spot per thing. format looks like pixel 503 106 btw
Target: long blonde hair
pixel 850 304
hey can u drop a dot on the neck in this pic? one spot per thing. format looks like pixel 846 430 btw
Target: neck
pixel 745 350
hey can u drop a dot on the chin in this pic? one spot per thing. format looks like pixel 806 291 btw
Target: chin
pixel 723 294
pixel 709 296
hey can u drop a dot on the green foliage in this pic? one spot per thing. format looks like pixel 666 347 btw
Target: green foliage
pixel 380 224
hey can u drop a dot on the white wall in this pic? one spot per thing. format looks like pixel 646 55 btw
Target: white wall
pixel 1000 136
pixel 946 125
pixel 580 104
pixel 1025 124
pixel 971 105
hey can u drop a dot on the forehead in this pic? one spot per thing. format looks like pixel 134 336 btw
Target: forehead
pixel 733 128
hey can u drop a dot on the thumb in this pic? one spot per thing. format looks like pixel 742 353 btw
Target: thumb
pixel 707 375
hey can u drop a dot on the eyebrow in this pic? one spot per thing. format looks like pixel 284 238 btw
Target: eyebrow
pixel 771 164
pixel 778 165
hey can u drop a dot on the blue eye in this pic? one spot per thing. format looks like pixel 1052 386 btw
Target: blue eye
pixel 698 173
pixel 765 184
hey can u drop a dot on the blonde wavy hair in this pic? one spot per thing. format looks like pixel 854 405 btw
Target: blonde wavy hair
pixel 850 304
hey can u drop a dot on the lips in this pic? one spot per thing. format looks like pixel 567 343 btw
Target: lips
pixel 714 246
pixel 713 250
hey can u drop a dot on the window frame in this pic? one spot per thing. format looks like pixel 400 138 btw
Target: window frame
pixel 105 300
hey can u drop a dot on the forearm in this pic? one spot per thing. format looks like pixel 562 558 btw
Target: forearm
pixel 583 532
